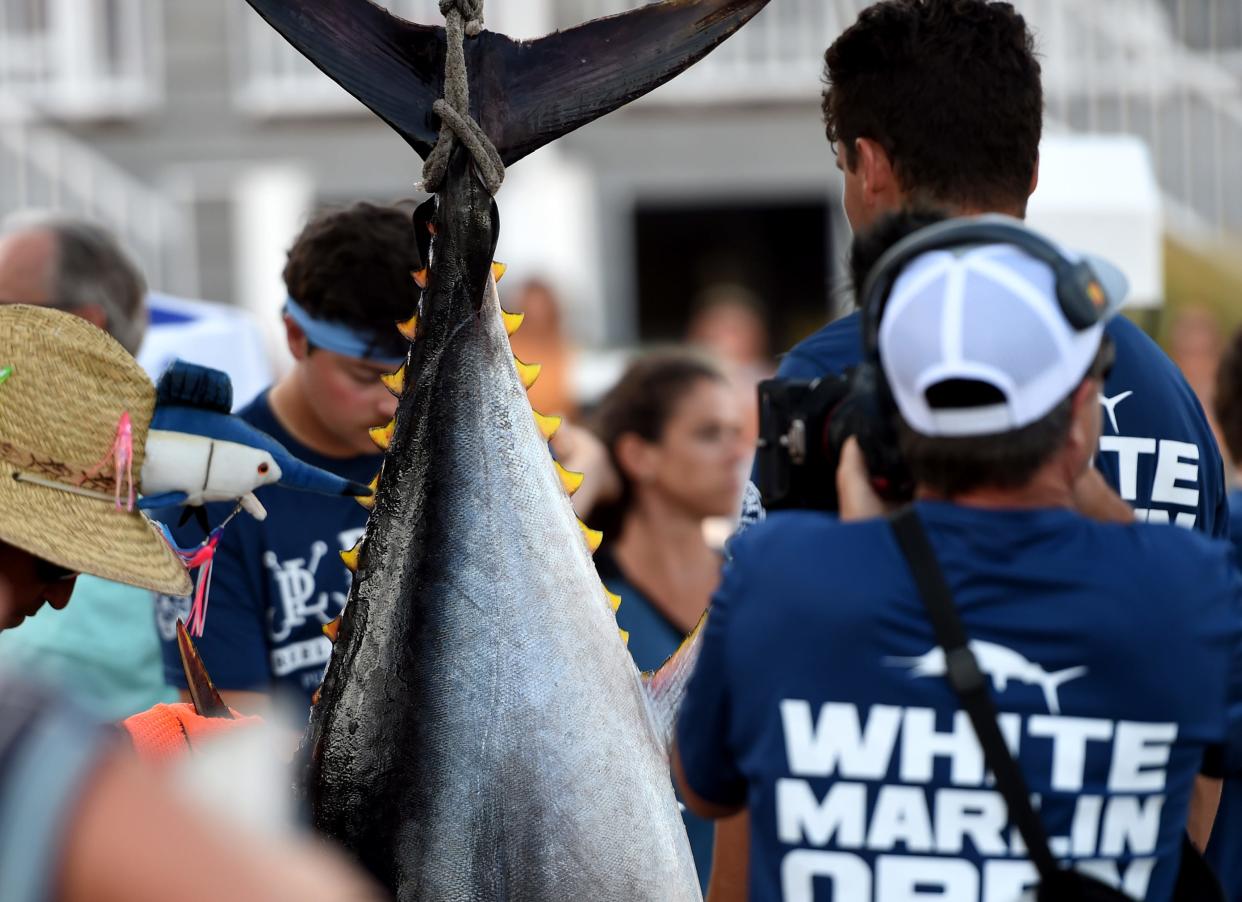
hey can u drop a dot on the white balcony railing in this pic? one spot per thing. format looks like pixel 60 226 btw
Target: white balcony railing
pixel 82 59
pixel 1169 71
pixel 44 168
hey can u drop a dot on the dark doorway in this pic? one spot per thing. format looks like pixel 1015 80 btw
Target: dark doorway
pixel 778 251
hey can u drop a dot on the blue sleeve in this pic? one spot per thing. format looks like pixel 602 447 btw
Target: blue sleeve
pixel 48 752
pixel 703 727
pixel 1220 525
pixel 796 365
pixel 234 643
pixel 1231 756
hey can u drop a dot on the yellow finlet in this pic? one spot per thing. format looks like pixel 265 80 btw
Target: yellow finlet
pixel 420 277
pixel 382 435
pixel 369 501
pixel 332 628
pixel 498 270
pixel 614 600
pixel 527 372
pixel 513 321
pixel 625 637
pixel 351 557
pixel 547 425
pixel 594 538
pixel 395 382
pixel 571 480
pixel 409 328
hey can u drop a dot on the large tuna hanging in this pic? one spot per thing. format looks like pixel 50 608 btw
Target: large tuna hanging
pixel 482 733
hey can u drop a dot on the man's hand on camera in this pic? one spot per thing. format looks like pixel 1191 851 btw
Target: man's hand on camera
pixel 858 500
pixel 1095 498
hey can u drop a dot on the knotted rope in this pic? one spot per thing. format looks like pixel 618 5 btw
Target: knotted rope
pixel 463 18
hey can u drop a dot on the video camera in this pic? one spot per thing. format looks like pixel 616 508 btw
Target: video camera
pixel 804 424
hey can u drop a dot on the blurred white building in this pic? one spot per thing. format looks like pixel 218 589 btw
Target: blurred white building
pixel 193 129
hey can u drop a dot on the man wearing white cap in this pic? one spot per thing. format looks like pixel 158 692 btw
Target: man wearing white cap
pixel 940 103
pixel 820 699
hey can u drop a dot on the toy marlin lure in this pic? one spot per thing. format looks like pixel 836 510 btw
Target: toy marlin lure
pixel 482 733
pixel 197 451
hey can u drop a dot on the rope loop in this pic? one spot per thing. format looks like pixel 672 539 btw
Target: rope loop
pixel 471 12
pixel 463 18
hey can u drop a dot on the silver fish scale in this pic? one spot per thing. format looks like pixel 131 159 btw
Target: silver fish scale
pixel 530 768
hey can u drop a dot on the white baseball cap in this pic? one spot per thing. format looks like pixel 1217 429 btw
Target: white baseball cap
pixel 988 314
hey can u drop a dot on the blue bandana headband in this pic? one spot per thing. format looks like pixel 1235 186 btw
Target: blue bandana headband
pixel 337 338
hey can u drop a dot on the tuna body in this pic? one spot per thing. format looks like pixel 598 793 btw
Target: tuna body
pixel 482 732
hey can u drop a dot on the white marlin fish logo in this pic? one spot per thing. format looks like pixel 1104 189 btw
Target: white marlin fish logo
pixel 1002 664
pixel 1110 404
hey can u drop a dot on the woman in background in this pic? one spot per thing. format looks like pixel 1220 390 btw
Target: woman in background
pixel 675 435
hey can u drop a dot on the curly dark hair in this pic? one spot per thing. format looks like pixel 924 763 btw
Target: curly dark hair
pixel 352 266
pixel 950 89
pixel 1228 403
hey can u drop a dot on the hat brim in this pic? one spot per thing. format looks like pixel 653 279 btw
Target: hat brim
pixel 1114 282
pixel 88 535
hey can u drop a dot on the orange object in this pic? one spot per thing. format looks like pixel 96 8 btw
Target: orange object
pixel 166 732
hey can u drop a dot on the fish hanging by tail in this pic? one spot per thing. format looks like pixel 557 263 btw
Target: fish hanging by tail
pixel 482 732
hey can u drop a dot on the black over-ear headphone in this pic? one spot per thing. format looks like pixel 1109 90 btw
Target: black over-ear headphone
pixel 869 411
pixel 1079 293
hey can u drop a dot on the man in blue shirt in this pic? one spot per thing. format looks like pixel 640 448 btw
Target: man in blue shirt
pixel 275 584
pixel 819 700
pixel 941 104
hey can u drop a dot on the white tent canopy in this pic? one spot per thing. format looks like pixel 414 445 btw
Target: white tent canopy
pixel 1098 194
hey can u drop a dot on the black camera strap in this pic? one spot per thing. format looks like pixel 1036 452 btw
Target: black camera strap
pixel 971 685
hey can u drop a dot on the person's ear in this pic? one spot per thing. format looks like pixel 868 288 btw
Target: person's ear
pixel 635 457
pixel 1084 434
pixel 1034 178
pixel 93 314
pixel 299 345
pixel 875 168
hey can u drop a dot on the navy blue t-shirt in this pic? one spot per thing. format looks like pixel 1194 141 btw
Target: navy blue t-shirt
pixel 653 640
pixel 819 701
pixel 1222 851
pixel 275 583
pixel 1156 448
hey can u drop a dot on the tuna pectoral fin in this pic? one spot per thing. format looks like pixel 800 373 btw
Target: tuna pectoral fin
pixel 666 687
pixel 525 94
pixel 207 701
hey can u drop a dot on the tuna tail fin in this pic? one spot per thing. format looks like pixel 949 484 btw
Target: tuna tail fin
pixel 666 687
pixel 525 94
pixel 207 701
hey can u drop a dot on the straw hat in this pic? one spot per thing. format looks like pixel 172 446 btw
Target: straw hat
pixel 66 385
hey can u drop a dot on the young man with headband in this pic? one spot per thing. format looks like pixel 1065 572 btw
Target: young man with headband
pixel 277 583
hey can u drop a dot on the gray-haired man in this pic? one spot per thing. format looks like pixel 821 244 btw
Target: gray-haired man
pixel 71 264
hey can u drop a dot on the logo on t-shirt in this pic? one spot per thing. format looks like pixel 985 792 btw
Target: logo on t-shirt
pixel 1176 480
pixel 1003 665
pixel 895 802
pixel 1110 404
pixel 309 589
